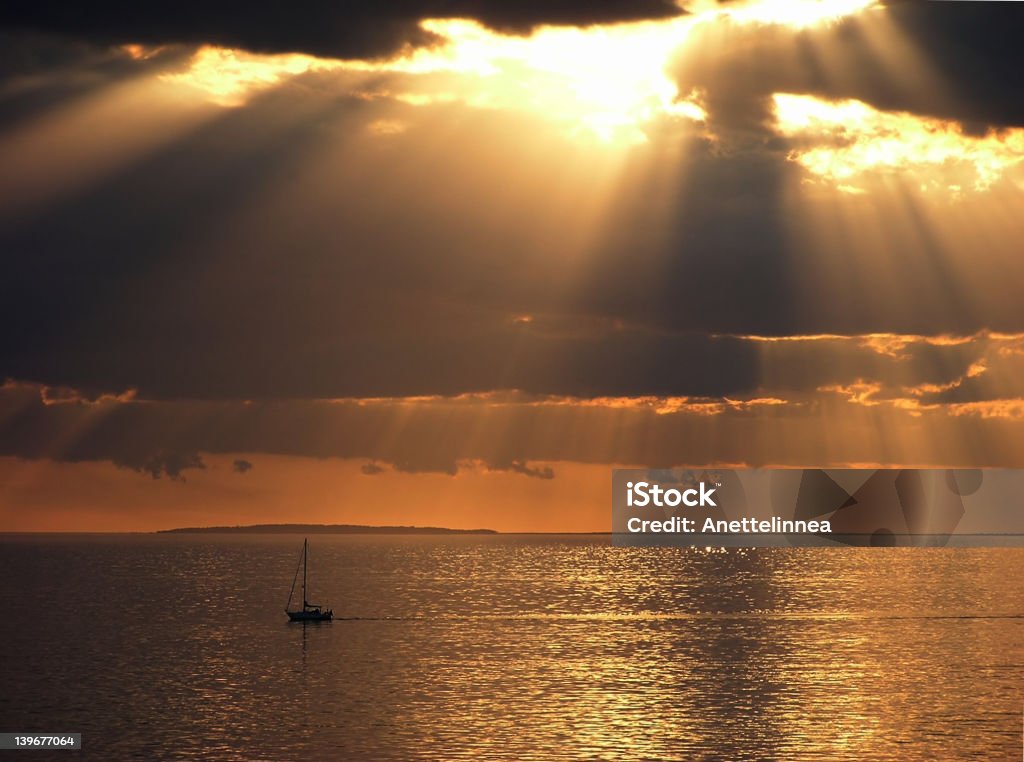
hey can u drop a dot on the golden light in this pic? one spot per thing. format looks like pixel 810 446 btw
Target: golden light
pixel 87 139
pixel 848 138
pixel 387 127
pixel 797 13
pixel 228 76
pixel 606 81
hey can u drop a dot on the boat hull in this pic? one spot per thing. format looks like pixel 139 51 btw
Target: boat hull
pixel 310 616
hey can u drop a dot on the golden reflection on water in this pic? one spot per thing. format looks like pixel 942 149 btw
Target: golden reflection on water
pixel 519 648
pixel 771 658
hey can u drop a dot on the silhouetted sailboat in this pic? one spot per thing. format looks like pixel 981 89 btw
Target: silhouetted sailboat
pixel 310 612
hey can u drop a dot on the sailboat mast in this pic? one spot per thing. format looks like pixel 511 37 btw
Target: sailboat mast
pixel 305 564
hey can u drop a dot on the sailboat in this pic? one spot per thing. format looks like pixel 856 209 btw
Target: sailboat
pixel 310 612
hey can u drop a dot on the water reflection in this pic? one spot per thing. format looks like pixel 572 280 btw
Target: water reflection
pixel 517 648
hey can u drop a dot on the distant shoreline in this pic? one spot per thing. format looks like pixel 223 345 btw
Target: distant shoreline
pixel 320 529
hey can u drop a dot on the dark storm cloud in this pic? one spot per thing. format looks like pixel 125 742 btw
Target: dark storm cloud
pixel 410 284
pixel 343 29
pixel 241 466
pixel 158 438
pixel 116 287
pixel 971 51
pixel 157 464
pixel 440 436
pixel 190 272
pixel 977 52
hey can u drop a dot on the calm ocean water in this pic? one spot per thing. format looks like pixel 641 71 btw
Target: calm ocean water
pixel 511 647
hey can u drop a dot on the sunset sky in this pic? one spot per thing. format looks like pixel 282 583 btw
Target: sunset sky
pixel 447 263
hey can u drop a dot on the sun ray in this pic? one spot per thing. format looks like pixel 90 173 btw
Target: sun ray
pixel 842 140
pixel 605 81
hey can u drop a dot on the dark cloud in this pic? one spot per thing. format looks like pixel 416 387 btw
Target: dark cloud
pixel 219 265
pixel 524 468
pixel 976 51
pixel 954 60
pixel 856 383
pixel 170 438
pixel 190 273
pixel 972 47
pixel 160 463
pixel 345 29
pixel 450 467
pixel 241 466
pixel 364 307
pixel 427 462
